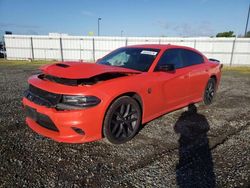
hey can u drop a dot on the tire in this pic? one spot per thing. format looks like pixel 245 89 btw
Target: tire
pixel 122 120
pixel 209 92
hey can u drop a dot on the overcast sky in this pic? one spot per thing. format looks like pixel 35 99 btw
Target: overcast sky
pixel 134 17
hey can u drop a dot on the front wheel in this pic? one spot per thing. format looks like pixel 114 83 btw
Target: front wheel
pixel 209 92
pixel 122 120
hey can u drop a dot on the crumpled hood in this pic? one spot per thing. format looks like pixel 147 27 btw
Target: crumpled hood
pixel 80 70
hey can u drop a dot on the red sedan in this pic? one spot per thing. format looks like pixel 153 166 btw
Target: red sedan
pixel 79 102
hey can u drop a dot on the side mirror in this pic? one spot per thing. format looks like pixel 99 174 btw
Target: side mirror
pixel 167 68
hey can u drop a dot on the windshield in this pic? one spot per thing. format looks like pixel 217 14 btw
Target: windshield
pixel 133 58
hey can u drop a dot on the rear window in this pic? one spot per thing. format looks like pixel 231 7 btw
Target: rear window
pixel 191 58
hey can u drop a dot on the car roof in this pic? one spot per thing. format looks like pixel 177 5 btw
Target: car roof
pixel 153 46
pixel 162 47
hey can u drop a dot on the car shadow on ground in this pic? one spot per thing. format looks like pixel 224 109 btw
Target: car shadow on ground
pixel 195 167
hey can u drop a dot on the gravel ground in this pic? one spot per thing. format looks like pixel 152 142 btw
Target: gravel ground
pixel 210 148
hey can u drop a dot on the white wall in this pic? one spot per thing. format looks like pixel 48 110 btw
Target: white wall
pixel 235 51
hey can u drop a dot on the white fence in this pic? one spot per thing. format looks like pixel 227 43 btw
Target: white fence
pixel 233 51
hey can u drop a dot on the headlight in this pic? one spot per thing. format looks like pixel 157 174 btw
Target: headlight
pixel 77 102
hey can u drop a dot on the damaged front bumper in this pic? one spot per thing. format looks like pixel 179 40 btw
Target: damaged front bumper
pixel 76 126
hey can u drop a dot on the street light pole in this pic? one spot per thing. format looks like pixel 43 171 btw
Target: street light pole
pixel 121 33
pixel 247 21
pixel 98 25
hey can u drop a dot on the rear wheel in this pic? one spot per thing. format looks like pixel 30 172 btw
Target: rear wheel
pixel 122 120
pixel 209 91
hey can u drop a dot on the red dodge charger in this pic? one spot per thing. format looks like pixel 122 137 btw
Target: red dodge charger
pixel 79 102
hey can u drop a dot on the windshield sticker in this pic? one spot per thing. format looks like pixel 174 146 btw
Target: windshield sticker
pixel 148 52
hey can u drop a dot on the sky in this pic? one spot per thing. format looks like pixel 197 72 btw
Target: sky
pixel 186 18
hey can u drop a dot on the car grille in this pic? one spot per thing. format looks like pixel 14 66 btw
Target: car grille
pixel 41 119
pixel 42 97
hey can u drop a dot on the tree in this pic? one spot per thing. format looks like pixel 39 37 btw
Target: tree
pixel 248 34
pixel 91 33
pixel 226 34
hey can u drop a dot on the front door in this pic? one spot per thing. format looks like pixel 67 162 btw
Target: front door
pixel 174 83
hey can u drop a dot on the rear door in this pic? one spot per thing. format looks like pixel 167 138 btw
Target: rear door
pixel 198 73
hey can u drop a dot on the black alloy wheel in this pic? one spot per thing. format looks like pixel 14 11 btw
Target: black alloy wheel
pixel 122 120
pixel 210 91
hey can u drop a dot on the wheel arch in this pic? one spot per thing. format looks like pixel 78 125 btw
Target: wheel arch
pixel 213 76
pixel 131 94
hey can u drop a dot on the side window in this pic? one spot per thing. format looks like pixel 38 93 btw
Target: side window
pixel 171 56
pixel 191 58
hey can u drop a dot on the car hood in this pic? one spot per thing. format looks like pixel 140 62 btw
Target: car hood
pixel 81 70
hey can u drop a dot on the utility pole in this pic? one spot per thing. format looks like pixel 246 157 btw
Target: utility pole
pixel 98 25
pixel 121 33
pixel 247 21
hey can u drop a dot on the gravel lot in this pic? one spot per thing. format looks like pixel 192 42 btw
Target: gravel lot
pixel 210 148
